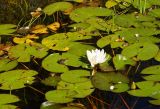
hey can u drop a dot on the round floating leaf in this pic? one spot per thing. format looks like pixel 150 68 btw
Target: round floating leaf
pixel 104 41
pixel 152 70
pixel 146 89
pixel 109 79
pixel 75 76
pixel 140 93
pixel 143 51
pixel 8 106
pixel 51 64
pixel 77 90
pixel 157 57
pixel 110 3
pixel 120 87
pixel 83 13
pixel 16 79
pixel 22 52
pixel 58 6
pixel 7 64
pixel 58 96
pixel 155 12
pixel 155 102
pixel 63 41
pixel 120 61
pixel 7 29
pixel 51 81
pixel 8 98
pixel 71 60
pixel 79 49
pixel 152 77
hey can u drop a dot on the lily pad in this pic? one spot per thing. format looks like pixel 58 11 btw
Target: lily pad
pixel 77 90
pixel 51 81
pixel 109 79
pixel 8 98
pixel 83 13
pixel 7 29
pixel 75 76
pixel 143 51
pixel 51 63
pixel 58 96
pixel 7 64
pixel 155 102
pixel 152 70
pixel 16 79
pixel 23 52
pixel 121 61
pixel 58 6
pixel 63 41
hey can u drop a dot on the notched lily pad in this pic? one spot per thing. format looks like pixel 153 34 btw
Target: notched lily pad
pixel 7 64
pixel 75 76
pixel 58 6
pixel 77 90
pixel 23 52
pixel 16 79
pixel 110 79
pixel 143 51
pixel 83 13
pixel 7 29
pixel 59 96
pixel 52 64
pixel 121 61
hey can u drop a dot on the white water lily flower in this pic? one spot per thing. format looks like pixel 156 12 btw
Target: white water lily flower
pixel 96 56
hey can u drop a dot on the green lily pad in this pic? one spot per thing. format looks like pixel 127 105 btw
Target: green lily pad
pixel 16 79
pixel 58 96
pixel 81 14
pixel 154 12
pixel 72 60
pixel 140 93
pixel 23 52
pixel 109 79
pixel 75 76
pixel 146 89
pixel 143 51
pixel 58 6
pixel 7 64
pixel 152 70
pixel 8 98
pixel 7 29
pixel 157 57
pixel 8 106
pixel 77 90
pixel 63 41
pixel 155 102
pixel 121 61
pixel 120 87
pixel 51 81
pixel 51 63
